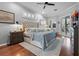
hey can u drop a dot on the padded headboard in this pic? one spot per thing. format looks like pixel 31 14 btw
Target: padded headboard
pixel 30 24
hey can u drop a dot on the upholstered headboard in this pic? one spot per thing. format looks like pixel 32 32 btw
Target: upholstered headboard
pixel 30 24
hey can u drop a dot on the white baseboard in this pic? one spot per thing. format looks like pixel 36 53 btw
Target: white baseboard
pixel 3 44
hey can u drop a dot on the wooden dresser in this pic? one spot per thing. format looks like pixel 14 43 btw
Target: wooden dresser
pixel 16 37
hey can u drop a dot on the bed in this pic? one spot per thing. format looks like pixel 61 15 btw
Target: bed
pixel 41 39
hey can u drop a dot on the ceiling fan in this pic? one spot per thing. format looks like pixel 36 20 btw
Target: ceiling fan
pixel 46 3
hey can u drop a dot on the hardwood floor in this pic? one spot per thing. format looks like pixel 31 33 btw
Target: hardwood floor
pixel 66 49
pixel 17 50
pixel 14 50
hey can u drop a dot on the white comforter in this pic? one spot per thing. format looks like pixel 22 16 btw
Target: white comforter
pixel 37 38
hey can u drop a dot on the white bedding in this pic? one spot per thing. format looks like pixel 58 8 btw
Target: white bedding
pixel 37 38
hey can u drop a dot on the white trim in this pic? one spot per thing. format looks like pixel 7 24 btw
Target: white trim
pixel 3 44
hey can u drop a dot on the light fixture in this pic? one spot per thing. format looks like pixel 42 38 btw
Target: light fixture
pixel 25 14
pixel 43 12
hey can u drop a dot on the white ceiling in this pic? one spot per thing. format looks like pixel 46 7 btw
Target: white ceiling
pixel 49 10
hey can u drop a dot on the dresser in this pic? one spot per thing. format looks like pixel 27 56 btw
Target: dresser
pixel 16 37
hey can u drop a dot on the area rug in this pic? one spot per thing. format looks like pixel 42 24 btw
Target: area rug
pixel 52 50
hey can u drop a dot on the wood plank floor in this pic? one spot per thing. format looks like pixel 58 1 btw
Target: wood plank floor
pixel 17 50
pixel 66 49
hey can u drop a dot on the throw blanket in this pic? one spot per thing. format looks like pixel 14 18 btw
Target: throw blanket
pixel 49 38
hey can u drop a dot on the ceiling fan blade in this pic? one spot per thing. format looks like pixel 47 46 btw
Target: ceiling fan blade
pixel 50 4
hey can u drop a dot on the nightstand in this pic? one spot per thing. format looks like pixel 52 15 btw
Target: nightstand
pixel 16 37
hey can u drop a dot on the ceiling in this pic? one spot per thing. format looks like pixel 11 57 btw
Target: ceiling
pixel 49 10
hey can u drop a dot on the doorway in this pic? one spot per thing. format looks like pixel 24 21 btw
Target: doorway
pixel 68 32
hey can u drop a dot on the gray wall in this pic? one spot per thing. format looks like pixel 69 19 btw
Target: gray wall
pixel 6 28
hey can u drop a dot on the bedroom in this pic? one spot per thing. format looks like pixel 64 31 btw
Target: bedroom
pixel 36 25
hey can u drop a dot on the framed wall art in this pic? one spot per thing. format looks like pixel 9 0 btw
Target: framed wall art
pixel 7 17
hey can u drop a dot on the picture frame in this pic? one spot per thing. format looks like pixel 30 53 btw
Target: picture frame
pixel 7 17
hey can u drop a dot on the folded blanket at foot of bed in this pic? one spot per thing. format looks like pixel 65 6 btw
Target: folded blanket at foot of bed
pixel 44 39
pixel 49 38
